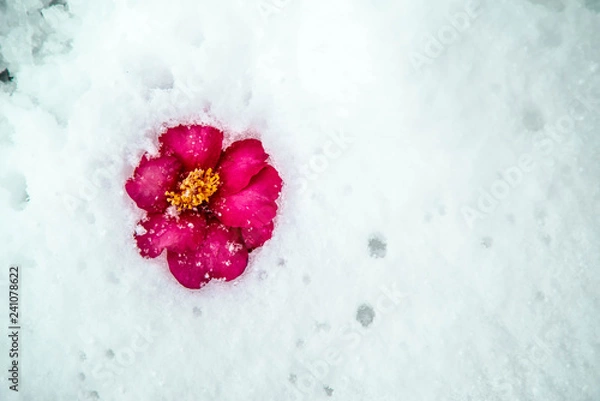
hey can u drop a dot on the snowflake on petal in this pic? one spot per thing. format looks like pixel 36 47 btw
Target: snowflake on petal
pixel 207 207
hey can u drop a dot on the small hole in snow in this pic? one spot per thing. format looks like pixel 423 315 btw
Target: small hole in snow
pixel 377 247
pixel 5 76
pixel 57 3
pixel 365 315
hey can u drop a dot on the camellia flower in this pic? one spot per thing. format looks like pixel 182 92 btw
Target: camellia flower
pixel 207 207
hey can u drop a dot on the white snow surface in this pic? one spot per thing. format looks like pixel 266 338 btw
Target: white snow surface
pixel 438 236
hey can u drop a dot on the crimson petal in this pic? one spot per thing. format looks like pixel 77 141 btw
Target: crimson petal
pixel 174 233
pixel 239 163
pixel 151 179
pixel 197 146
pixel 257 236
pixel 222 255
pixel 254 206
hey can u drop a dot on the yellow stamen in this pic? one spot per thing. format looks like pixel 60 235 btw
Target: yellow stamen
pixel 196 188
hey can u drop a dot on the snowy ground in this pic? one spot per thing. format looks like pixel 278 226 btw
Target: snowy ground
pixel 439 231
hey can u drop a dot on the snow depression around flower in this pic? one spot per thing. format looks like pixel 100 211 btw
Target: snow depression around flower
pixel 207 207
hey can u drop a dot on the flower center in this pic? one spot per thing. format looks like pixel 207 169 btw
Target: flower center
pixel 196 188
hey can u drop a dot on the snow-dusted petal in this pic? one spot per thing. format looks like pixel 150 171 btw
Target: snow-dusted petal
pixel 222 255
pixel 239 163
pixel 254 206
pixel 151 179
pixel 175 233
pixel 257 236
pixel 196 146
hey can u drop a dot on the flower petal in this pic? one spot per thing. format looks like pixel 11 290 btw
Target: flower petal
pixel 254 206
pixel 239 163
pixel 196 146
pixel 151 179
pixel 257 236
pixel 175 233
pixel 221 255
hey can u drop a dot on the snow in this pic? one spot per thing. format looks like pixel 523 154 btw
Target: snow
pixel 438 231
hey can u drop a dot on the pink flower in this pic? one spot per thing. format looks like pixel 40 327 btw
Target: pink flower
pixel 207 207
